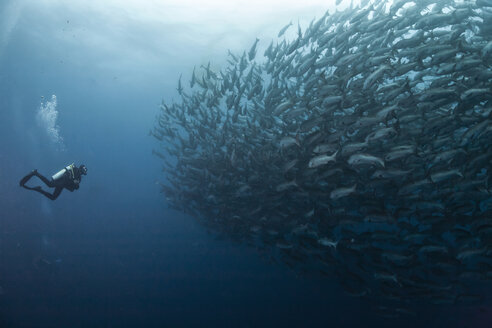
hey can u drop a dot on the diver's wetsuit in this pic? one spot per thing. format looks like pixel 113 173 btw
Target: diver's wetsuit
pixel 67 181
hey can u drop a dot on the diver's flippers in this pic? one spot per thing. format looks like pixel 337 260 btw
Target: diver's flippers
pixel 27 177
pixel 37 188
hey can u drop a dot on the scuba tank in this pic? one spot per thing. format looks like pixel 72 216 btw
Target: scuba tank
pixel 61 173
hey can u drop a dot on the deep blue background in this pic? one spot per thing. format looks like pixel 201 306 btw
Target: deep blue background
pixel 119 257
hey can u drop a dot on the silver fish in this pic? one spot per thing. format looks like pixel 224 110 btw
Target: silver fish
pixel 365 159
pixel 322 160
pixel 342 192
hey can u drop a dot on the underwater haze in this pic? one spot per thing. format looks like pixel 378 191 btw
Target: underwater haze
pixel 82 82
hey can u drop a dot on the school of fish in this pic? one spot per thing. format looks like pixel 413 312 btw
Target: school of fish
pixel 361 149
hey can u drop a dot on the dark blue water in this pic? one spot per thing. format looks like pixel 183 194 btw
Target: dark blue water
pixel 112 254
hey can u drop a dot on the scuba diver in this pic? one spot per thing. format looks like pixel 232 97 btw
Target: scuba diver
pixel 68 178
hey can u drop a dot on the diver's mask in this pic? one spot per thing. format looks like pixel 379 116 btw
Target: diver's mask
pixel 83 169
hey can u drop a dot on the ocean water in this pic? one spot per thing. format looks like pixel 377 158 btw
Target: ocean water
pixel 82 82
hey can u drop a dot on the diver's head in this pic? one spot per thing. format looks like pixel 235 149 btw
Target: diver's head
pixel 83 169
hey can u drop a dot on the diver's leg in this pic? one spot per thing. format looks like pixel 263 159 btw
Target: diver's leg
pixel 47 182
pixel 27 177
pixel 57 192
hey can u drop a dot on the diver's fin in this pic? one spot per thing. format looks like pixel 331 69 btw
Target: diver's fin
pixel 27 177
pixel 37 188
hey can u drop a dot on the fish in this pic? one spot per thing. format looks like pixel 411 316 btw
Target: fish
pixel 398 154
pixel 342 192
pixel 180 87
pixel 468 253
pixel 390 174
pixel 377 74
pixel 322 160
pixel 351 148
pixel 282 107
pixel 445 175
pixel 289 165
pixel 283 29
pixel 328 242
pixel 372 125
pixel 365 159
pixel 476 92
pixel 286 185
pixel 252 51
pixel 287 142
pixel 324 148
